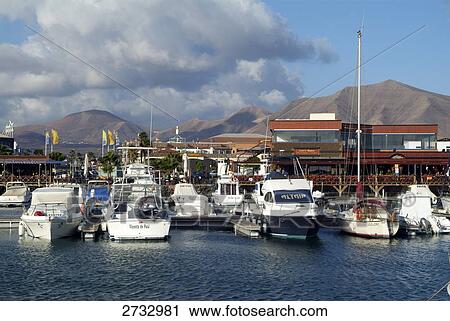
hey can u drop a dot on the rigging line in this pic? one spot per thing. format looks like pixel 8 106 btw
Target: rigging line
pixel 363 64
pixel 439 291
pixel 148 101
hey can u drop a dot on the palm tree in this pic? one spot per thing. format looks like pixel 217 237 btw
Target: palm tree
pixel 143 139
pixel 109 162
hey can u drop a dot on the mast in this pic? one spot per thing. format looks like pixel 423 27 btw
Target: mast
pixel 358 131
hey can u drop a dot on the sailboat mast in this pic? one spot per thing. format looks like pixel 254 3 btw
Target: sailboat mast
pixel 358 132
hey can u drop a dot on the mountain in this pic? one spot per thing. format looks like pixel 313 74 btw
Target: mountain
pixel 83 128
pixel 388 102
pixel 238 122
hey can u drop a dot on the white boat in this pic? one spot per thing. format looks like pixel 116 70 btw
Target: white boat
pixel 366 217
pixel 137 214
pixel 417 215
pixel 257 194
pixel 289 209
pixel 446 203
pixel 16 194
pixel 54 213
pixel 188 201
pixel 227 195
pixel 137 209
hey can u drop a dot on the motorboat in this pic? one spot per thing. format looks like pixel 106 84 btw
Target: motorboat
pixel 288 208
pixel 188 201
pixel 445 200
pixel 137 213
pixel 16 194
pixel 227 195
pixel 137 208
pixel 54 213
pixel 417 215
pixel 97 205
pixel 257 194
pixel 97 199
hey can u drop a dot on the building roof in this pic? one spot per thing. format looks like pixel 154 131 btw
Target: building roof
pixel 29 159
pixel 240 135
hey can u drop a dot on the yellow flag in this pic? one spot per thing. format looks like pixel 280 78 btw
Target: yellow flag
pixel 111 139
pixel 104 138
pixel 55 137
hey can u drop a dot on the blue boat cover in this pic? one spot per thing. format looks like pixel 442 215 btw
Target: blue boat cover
pixel 99 192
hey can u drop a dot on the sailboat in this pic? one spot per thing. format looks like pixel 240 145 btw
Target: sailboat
pixel 366 217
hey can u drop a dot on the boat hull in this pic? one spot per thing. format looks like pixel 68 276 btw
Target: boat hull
pixel 369 228
pixel 291 227
pixel 14 201
pixel 50 228
pixel 138 229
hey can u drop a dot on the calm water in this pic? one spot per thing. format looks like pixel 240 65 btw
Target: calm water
pixel 200 265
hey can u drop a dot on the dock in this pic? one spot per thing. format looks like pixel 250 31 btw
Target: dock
pixel 211 222
pixel 9 223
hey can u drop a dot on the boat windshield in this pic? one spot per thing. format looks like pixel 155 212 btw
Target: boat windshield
pixel 293 196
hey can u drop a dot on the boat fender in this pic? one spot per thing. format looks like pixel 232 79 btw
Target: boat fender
pixel 21 229
pixel 359 215
pixel 83 208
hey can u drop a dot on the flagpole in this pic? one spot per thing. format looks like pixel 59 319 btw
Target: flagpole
pixel 46 143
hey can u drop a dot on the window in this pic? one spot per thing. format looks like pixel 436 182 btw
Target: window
pixel 307 136
pixel 293 196
pixel 268 198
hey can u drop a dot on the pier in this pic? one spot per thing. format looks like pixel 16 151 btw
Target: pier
pixel 9 223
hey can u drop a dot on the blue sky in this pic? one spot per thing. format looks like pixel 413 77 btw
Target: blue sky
pixel 422 60
pixel 208 59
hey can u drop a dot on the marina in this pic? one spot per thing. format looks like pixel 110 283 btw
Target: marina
pixel 236 150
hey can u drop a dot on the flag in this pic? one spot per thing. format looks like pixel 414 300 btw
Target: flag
pixel 104 138
pixel 111 138
pixel 47 137
pixel 55 137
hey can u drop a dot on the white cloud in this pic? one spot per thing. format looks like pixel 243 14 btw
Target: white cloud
pixel 273 97
pixel 195 57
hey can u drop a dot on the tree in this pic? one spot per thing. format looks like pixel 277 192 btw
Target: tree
pixel 109 162
pixel 38 151
pixel 169 163
pixel 57 156
pixel 91 156
pixel 143 139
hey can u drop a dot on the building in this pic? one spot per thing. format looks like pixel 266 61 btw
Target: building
pixel 241 142
pixel 7 142
pixel 327 145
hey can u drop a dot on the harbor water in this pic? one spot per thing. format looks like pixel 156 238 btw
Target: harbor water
pixel 213 265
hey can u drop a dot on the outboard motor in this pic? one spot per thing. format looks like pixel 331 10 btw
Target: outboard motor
pixel 425 226
pixel 94 208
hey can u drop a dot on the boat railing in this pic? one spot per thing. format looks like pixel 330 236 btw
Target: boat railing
pixel 53 209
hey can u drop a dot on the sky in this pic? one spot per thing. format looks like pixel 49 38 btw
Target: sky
pixel 208 58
